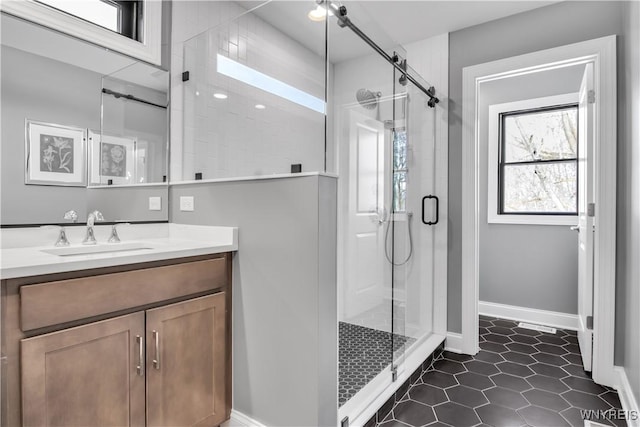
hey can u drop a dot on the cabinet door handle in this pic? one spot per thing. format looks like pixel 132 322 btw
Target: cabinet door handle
pixel 140 366
pixel 156 341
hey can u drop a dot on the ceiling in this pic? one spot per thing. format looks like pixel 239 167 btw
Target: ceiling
pixel 387 22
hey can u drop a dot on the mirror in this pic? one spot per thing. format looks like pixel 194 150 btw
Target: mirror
pixel 83 128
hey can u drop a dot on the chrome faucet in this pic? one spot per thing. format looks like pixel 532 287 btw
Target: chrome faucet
pixel 114 238
pixel 89 238
pixel 62 236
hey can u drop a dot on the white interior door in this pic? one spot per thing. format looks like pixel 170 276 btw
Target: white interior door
pixel 585 216
pixel 366 216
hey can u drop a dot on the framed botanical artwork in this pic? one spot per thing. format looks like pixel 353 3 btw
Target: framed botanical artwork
pixel 112 159
pixel 55 154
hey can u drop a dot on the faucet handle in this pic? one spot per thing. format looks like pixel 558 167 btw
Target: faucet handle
pixel 72 215
pixel 98 215
pixel 114 238
pixel 62 236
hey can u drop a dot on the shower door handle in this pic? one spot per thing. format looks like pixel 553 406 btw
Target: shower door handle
pixel 437 210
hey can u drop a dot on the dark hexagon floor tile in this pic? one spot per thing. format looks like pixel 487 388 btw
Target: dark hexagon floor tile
pixel 530 332
pixel 456 357
pixel 456 415
pixel 514 369
pixel 543 382
pixel 522 348
pixel 549 359
pixel 511 382
pixel 575 359
pixel 498 416
pixel 551 349
pixel 427 394
pixel 572 348
pixel 481 367
pixel 438 379
pixel 524 339
pixel 548 370
pixel 612 398
pixel 585 400
pixel 570 339
pixel 392 423
pixel 551 339
pixel 466 396
pixel 573 417
pixel 523 359
pixel 546 399
pixel 448 366
pixel 500 339
pixel 540 417
pixel 488 356
pixel 473 380
pixel 485 323
pixel 482 331
pixel 492 346
pixel 585 385
pixel 413 413
pixel 507 398
pixel 577 371
pixel 505 323
pixel 501 330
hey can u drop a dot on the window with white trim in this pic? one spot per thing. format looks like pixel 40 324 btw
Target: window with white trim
pixel 533 170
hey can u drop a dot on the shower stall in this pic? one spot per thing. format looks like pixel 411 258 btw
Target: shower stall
pixel 389 214
pixel 268 93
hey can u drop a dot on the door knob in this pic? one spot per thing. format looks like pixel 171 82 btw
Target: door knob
pixel 575 228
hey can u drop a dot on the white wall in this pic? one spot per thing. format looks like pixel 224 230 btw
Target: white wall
pixel 532 266
pixel 231 138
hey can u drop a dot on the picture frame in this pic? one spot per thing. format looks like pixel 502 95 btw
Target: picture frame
pixel 112 159
pixel 55 154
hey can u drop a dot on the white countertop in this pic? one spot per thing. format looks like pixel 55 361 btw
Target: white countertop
pixel 22 248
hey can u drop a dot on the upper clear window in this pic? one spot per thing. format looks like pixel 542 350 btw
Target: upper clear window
pixel 400 170
pixel 118 16
pixel 538 161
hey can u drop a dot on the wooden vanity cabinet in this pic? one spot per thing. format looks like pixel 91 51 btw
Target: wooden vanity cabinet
pixel 164 363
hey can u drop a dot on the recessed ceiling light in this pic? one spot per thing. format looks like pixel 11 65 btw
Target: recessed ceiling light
pixel 219 95
pixel 260 107
pixel 319 14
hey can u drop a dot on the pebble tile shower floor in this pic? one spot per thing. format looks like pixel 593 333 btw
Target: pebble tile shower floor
pixel 520 377
pixel 363 354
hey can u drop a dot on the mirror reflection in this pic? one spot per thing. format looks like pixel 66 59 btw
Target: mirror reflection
pixel 67 141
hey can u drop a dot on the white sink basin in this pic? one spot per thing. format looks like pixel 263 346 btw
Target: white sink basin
pixel 96 249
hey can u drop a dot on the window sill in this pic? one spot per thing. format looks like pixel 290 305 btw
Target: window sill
pixel 533 219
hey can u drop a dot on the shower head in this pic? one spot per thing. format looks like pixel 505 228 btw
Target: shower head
pixel 367 98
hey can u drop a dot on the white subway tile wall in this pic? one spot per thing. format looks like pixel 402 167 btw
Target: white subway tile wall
pixel 229 137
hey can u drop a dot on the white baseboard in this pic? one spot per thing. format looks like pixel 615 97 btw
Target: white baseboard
pixel 531 315
pixel 453 343
pixel 238 419
pixel 627 398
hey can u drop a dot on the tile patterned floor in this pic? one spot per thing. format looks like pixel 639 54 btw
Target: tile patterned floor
pixel 520 377
pixel 363 354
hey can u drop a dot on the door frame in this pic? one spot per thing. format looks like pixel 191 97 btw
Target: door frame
pixel 602 53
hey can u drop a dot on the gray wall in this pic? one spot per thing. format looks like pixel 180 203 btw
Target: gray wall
pixel 551 26
pixel 628 237
pixel 284 293
pixel 533 266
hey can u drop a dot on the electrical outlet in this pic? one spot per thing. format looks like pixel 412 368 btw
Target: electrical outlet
pixel 155 203
pixel 186 203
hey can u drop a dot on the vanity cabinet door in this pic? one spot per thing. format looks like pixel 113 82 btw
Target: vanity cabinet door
pixel 186 363
pixel 85 376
